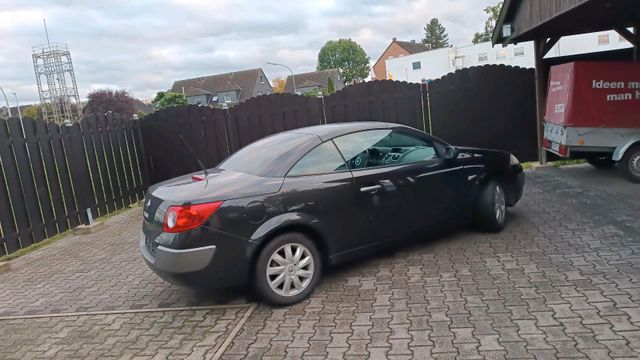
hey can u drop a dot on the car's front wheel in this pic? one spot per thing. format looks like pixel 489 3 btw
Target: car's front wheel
pixel 491 208
pixel 288 269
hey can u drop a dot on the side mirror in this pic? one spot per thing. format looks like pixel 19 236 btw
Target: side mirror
pixel 450 153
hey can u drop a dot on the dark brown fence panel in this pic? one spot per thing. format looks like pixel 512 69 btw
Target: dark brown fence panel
pixel 37 166
pixel 215 130
pixel 96 126
pixel 118 167
pixel 488 106
pixel 63 171
pixel 53 179
pixel 52 174
pixel 26 184
pixel 384 100
pixel 8 236
pixel 99 206
pixel 81 182
pixel 122 154
pixel 136 154
pixel 203 129
pixel 105 125
pixel 269 114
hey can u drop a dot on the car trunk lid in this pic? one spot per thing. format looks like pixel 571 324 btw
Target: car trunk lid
pixel 196 188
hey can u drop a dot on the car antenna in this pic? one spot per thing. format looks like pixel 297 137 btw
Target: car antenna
pixel 193 154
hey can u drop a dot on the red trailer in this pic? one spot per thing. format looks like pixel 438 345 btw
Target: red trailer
pixel 593 112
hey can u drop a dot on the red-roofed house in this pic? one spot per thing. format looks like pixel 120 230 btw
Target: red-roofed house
pixel 395 49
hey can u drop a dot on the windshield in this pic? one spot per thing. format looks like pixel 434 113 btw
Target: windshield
pixel 272 156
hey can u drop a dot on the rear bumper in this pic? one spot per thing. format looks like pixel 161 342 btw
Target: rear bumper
pixel 225 263
pixel 176 260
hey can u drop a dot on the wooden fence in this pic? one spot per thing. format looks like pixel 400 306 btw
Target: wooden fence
pixel 52 174
pixel 56 177
pixel 214 134
pixel 491 106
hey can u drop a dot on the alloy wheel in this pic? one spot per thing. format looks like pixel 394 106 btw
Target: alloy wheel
pixel 500 207
pixel 290 269
pixel 634 164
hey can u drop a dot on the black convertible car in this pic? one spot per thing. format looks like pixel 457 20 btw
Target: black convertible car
pixel 279 210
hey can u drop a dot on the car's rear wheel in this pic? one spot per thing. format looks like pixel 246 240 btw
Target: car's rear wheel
pixel 288 269
pixel 491 208
pixel 631 164
pixel 601 162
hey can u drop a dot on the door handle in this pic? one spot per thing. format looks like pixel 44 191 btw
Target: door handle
pixel 371 189
pixel 388 185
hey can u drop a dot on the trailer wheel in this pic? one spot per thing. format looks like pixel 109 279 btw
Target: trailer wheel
pixel 631 164
pixel 601 162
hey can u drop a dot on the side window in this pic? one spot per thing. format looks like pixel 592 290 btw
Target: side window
pixel 324 159
pixel 375 148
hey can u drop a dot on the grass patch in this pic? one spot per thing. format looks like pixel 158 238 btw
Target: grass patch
pixel 559 163
pixel 527 165
pixel 36 246
pixel 53 239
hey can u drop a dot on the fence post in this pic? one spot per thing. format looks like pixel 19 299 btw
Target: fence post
pixel 426 115
pixel 227 128
pixel 321 110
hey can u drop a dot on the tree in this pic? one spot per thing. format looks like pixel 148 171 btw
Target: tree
pixel 435 35
pixel 165 99
pixel 331 88
pixel 33 111
pixel 346 56
pixel 105 100
pixel 278 85
pixel 494 13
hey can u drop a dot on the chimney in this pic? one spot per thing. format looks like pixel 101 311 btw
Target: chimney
pixel 394 39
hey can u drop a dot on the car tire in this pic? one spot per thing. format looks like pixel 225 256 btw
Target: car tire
pixel 601 162
pixel 280 277
pixel 491 207
pixel 630 164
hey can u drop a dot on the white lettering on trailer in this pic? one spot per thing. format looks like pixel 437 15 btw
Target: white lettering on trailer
pixel 601 84
pixel 619 97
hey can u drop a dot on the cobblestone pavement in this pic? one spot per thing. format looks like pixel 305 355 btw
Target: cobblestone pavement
pixel 562 281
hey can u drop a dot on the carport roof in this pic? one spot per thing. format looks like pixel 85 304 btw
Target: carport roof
pixel 542 19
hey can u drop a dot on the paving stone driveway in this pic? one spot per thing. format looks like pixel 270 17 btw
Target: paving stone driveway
pixel 562 281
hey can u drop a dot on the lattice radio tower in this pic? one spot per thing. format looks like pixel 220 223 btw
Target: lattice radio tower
pixel 56 81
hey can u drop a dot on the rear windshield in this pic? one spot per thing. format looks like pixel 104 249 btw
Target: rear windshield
pixel 272 156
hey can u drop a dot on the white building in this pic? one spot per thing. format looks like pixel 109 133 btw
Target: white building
pixel 434 64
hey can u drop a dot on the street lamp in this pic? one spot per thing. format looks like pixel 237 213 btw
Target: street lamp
pixel 6 100
pixel 293 77
pixel 17 105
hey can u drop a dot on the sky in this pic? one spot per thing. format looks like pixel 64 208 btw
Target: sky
pixel 143 46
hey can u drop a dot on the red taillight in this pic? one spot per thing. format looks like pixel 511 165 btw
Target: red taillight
pixel 181 218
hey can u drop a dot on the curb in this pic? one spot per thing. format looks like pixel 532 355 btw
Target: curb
pixel 89 229
pixel 4 267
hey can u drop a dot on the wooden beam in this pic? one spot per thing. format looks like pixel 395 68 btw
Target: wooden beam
pixel 549 44
pixel 636 46
pixel 629 36
pixel 541 88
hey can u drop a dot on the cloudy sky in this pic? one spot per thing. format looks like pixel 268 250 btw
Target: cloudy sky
pixel 143 46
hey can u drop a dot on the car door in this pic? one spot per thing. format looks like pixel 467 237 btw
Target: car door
pixel 385 185
pixel 443 184
pixel 320 187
